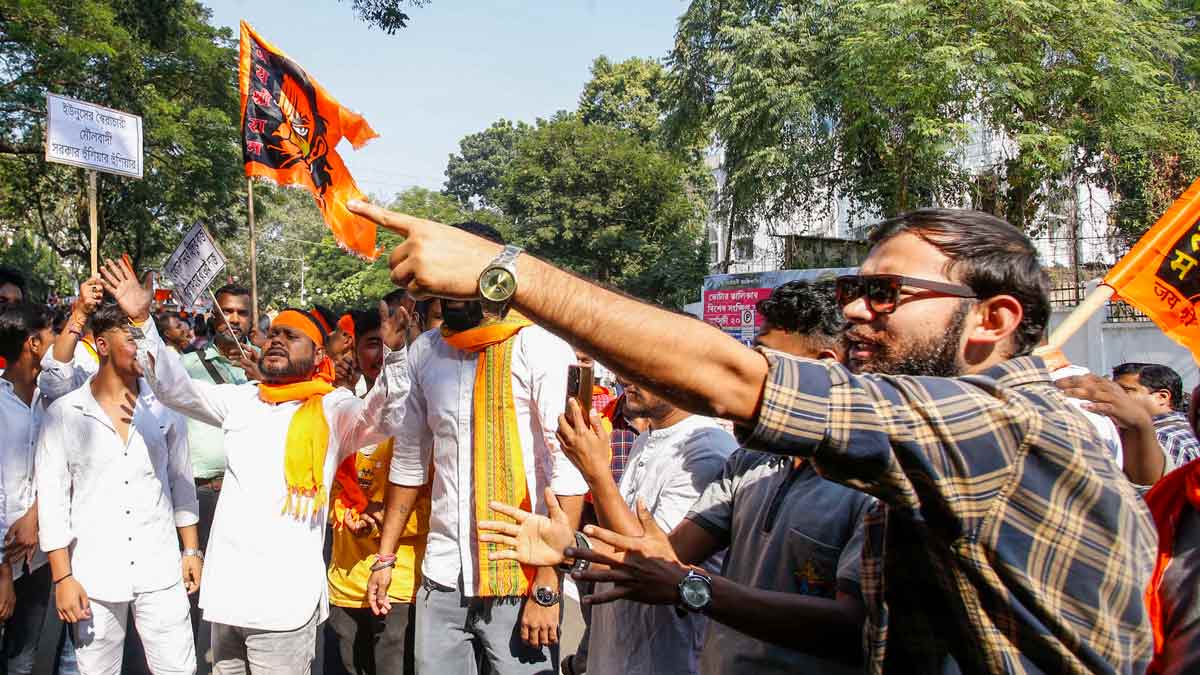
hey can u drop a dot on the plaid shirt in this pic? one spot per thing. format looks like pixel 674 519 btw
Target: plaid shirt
pixel 1009 541
pixel 1176 437
pixel 623 437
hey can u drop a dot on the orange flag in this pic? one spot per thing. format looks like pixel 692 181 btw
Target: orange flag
pixel 1161 274
pixel 290 130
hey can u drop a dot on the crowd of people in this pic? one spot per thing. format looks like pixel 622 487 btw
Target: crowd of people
pixel 897 478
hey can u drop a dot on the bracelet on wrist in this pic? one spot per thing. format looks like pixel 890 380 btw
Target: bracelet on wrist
pixel 383 564
pixel 62 578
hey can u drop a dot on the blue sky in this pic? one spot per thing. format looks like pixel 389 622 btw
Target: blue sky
pixel 458 67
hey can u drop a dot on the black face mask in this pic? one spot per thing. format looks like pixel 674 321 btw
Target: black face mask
pixel 462 318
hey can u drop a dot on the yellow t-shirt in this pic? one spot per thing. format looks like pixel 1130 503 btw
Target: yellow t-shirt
pixel 353 555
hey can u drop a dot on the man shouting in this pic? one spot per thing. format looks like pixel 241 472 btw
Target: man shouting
pixel 264 585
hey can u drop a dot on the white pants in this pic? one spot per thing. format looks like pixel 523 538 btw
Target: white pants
pixel 163 619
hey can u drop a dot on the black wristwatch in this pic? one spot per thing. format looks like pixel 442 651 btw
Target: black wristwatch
pixel 546 596
pixel 695 593
pixel 580 565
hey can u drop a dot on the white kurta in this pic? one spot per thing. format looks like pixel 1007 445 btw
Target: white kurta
pixel 263 568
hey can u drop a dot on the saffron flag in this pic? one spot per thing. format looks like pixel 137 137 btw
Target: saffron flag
pixel 1161 276
pixel 290 130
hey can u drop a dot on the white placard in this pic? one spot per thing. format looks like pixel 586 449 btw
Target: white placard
pixel 194 265
pixel 92 136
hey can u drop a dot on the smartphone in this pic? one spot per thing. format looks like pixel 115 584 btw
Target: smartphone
pixel 579 387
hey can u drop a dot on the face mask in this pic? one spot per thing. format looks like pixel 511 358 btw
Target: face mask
pixel 463 318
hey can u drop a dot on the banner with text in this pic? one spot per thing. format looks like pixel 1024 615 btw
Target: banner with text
pixel 93 137
pixel 194 265
pixel 730 300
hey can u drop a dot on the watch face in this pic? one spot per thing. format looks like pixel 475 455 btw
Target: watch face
pixel 544 595
pixel 497 284
pixel 695 593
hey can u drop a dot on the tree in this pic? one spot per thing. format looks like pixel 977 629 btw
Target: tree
pixel 627 95
pixel 387 15
pixel 44 274
pixel 474 173
pixel 603 203
pixel 876 101
pixel 159 59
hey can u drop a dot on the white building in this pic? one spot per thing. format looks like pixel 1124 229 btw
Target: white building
pixel 763 249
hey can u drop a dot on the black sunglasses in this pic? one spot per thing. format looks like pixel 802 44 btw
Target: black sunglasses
pixel 882 291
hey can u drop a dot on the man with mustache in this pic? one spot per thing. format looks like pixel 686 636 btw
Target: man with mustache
pixel 264 588
pixel 486 394
pixel 1009 541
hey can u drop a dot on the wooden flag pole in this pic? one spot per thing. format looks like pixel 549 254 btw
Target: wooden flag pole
pixel 1092 303
pixel 253 253
pixel 92 221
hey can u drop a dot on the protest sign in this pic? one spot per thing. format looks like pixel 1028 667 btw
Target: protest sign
pixel 93 137
pixel 194 265
pixel 729 300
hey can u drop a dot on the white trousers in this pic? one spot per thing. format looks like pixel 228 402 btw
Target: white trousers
pixel 163 619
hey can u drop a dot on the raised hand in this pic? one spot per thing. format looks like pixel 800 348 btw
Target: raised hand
pixel 394 326
pixel 122 283
pixel 435 260
pixel 585 442
pixel 91 292
pixel 533 539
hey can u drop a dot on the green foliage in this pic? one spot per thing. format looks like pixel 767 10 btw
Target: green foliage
pixel 387 15
pixel 876 100
pixel 156 58
pixel 39 264
pixel 292 233
pixel 474 173
pixel 627 95
pixel 601 202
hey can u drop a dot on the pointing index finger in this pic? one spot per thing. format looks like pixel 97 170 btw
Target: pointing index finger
pixel 399 223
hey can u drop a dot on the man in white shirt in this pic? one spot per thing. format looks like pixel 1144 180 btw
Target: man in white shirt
pixel 264 589
pixel 670 465
pixel 461 606
pixel 114 487
pixel 25 334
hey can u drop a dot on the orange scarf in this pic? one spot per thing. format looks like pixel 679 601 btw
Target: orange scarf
pixel 351 502
pixel 1167 500
pixel 499 464
pixel 308 432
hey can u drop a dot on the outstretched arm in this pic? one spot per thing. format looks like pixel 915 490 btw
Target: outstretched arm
pixel 204 401
pixel 693 364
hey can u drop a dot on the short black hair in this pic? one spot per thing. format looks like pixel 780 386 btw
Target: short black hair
pixel 365 321
pixel 163 320
pixel 17 323
pixel 990 255
pixel 231 289
pixel 11 275
pixel 395 297
pixel 809 308
pixel 62 314
pixel 1155 377
pixel 108 316
pixel 482 230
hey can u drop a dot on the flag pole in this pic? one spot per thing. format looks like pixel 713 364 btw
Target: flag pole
pixel 92 220
pixel 1092 303
pixel 253 253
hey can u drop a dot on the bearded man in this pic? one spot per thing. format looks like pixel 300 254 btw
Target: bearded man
pixel 264 588
pixel 1008 540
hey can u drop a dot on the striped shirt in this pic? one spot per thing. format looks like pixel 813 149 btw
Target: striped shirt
pixel 1009 542
pixel 1176 437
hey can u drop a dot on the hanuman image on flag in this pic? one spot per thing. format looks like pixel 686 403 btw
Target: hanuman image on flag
pixel 290 129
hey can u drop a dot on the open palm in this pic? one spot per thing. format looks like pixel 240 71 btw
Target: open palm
pixel 122 283
pixel 533 539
